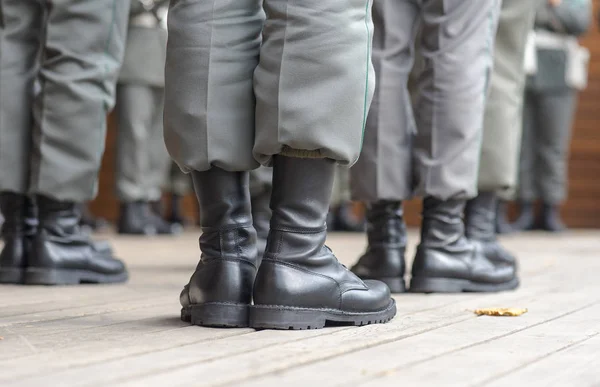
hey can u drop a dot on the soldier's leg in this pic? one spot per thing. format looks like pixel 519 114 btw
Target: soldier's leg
pixel 135 111
pixel 209 131
pixel 138 176
pixel 557 110
pixel 382 177
pixel 314 84
pixel 501 126
pixel 160 161
pixel 80 62
pixel 20 40
pixel 527 190
pixel 457 44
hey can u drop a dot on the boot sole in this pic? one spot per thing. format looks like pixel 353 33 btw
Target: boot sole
pixel 39 276
pixel 11 275
pixel 453 285
pixel 290 318
pixel 217 314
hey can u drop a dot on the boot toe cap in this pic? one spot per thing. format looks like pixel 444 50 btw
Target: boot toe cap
pixel 375 297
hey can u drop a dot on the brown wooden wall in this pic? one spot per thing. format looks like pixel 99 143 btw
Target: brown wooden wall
pixel 581 210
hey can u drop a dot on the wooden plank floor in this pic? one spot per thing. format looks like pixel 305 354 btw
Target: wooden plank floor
pixel 131 335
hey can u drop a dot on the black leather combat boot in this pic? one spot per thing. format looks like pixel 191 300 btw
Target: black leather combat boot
pixel 300 284
pixel 20 224
pixel 526 219
pixel 550 219
pixel 137 218
pixel 220 290
pixel 480 227
pixel 447 262
pixel 502 223
pixel 386 234
pixel 261 216
pixel 62 254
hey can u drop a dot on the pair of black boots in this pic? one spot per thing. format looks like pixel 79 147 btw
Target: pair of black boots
pixel 298 283
pixel 44 245
pixel 548 219
pixel 139 218
pixel 450 257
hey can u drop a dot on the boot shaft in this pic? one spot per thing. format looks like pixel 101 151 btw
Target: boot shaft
pixel 20 214
pixel 385 223
pixel 299 205
pixel 226 217
pixel 57 216
pixel 442 223
pixel 480 217
pixel 301 192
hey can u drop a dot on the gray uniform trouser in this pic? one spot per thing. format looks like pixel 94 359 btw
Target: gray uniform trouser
pixel 441 159
pixel 502 126
pixel 142 160
pixel 53 117
pixel 547 120
pixel 304 92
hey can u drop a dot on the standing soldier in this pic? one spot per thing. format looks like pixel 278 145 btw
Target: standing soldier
pixel 142 161
pixel 291 90
pixel 501 127
pixel 59 61
pixel 550 101
pixel 441 159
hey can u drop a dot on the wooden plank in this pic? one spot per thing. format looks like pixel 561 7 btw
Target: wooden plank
pixel 97 346
pixel 262 354
pixel 573 365
pixel 481 363
pixel 380 364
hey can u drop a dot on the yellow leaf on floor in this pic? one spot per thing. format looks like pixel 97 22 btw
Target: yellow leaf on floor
pixel 512 312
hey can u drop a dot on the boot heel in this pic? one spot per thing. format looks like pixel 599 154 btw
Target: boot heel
pixel 218 314
pixel 437 285
pixel 274 317
pixel 39 276
pixel 12 275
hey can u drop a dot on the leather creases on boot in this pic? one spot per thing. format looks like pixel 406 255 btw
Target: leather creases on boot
pixel 20 225
pixel 300 283
pixel 386 235
pixel 220 290
pixel 446 261
pixel 62 254
pixel 480 227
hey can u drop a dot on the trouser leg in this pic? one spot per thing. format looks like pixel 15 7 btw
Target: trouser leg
pixel 555 120
pixel 315 80
pixel 212 52
pixel 457 44
pixel 384 168
pixel 503 111
pixel 526 189
pixel 135 113
pixel 84 45
pixel 20 41
pixel 159 157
